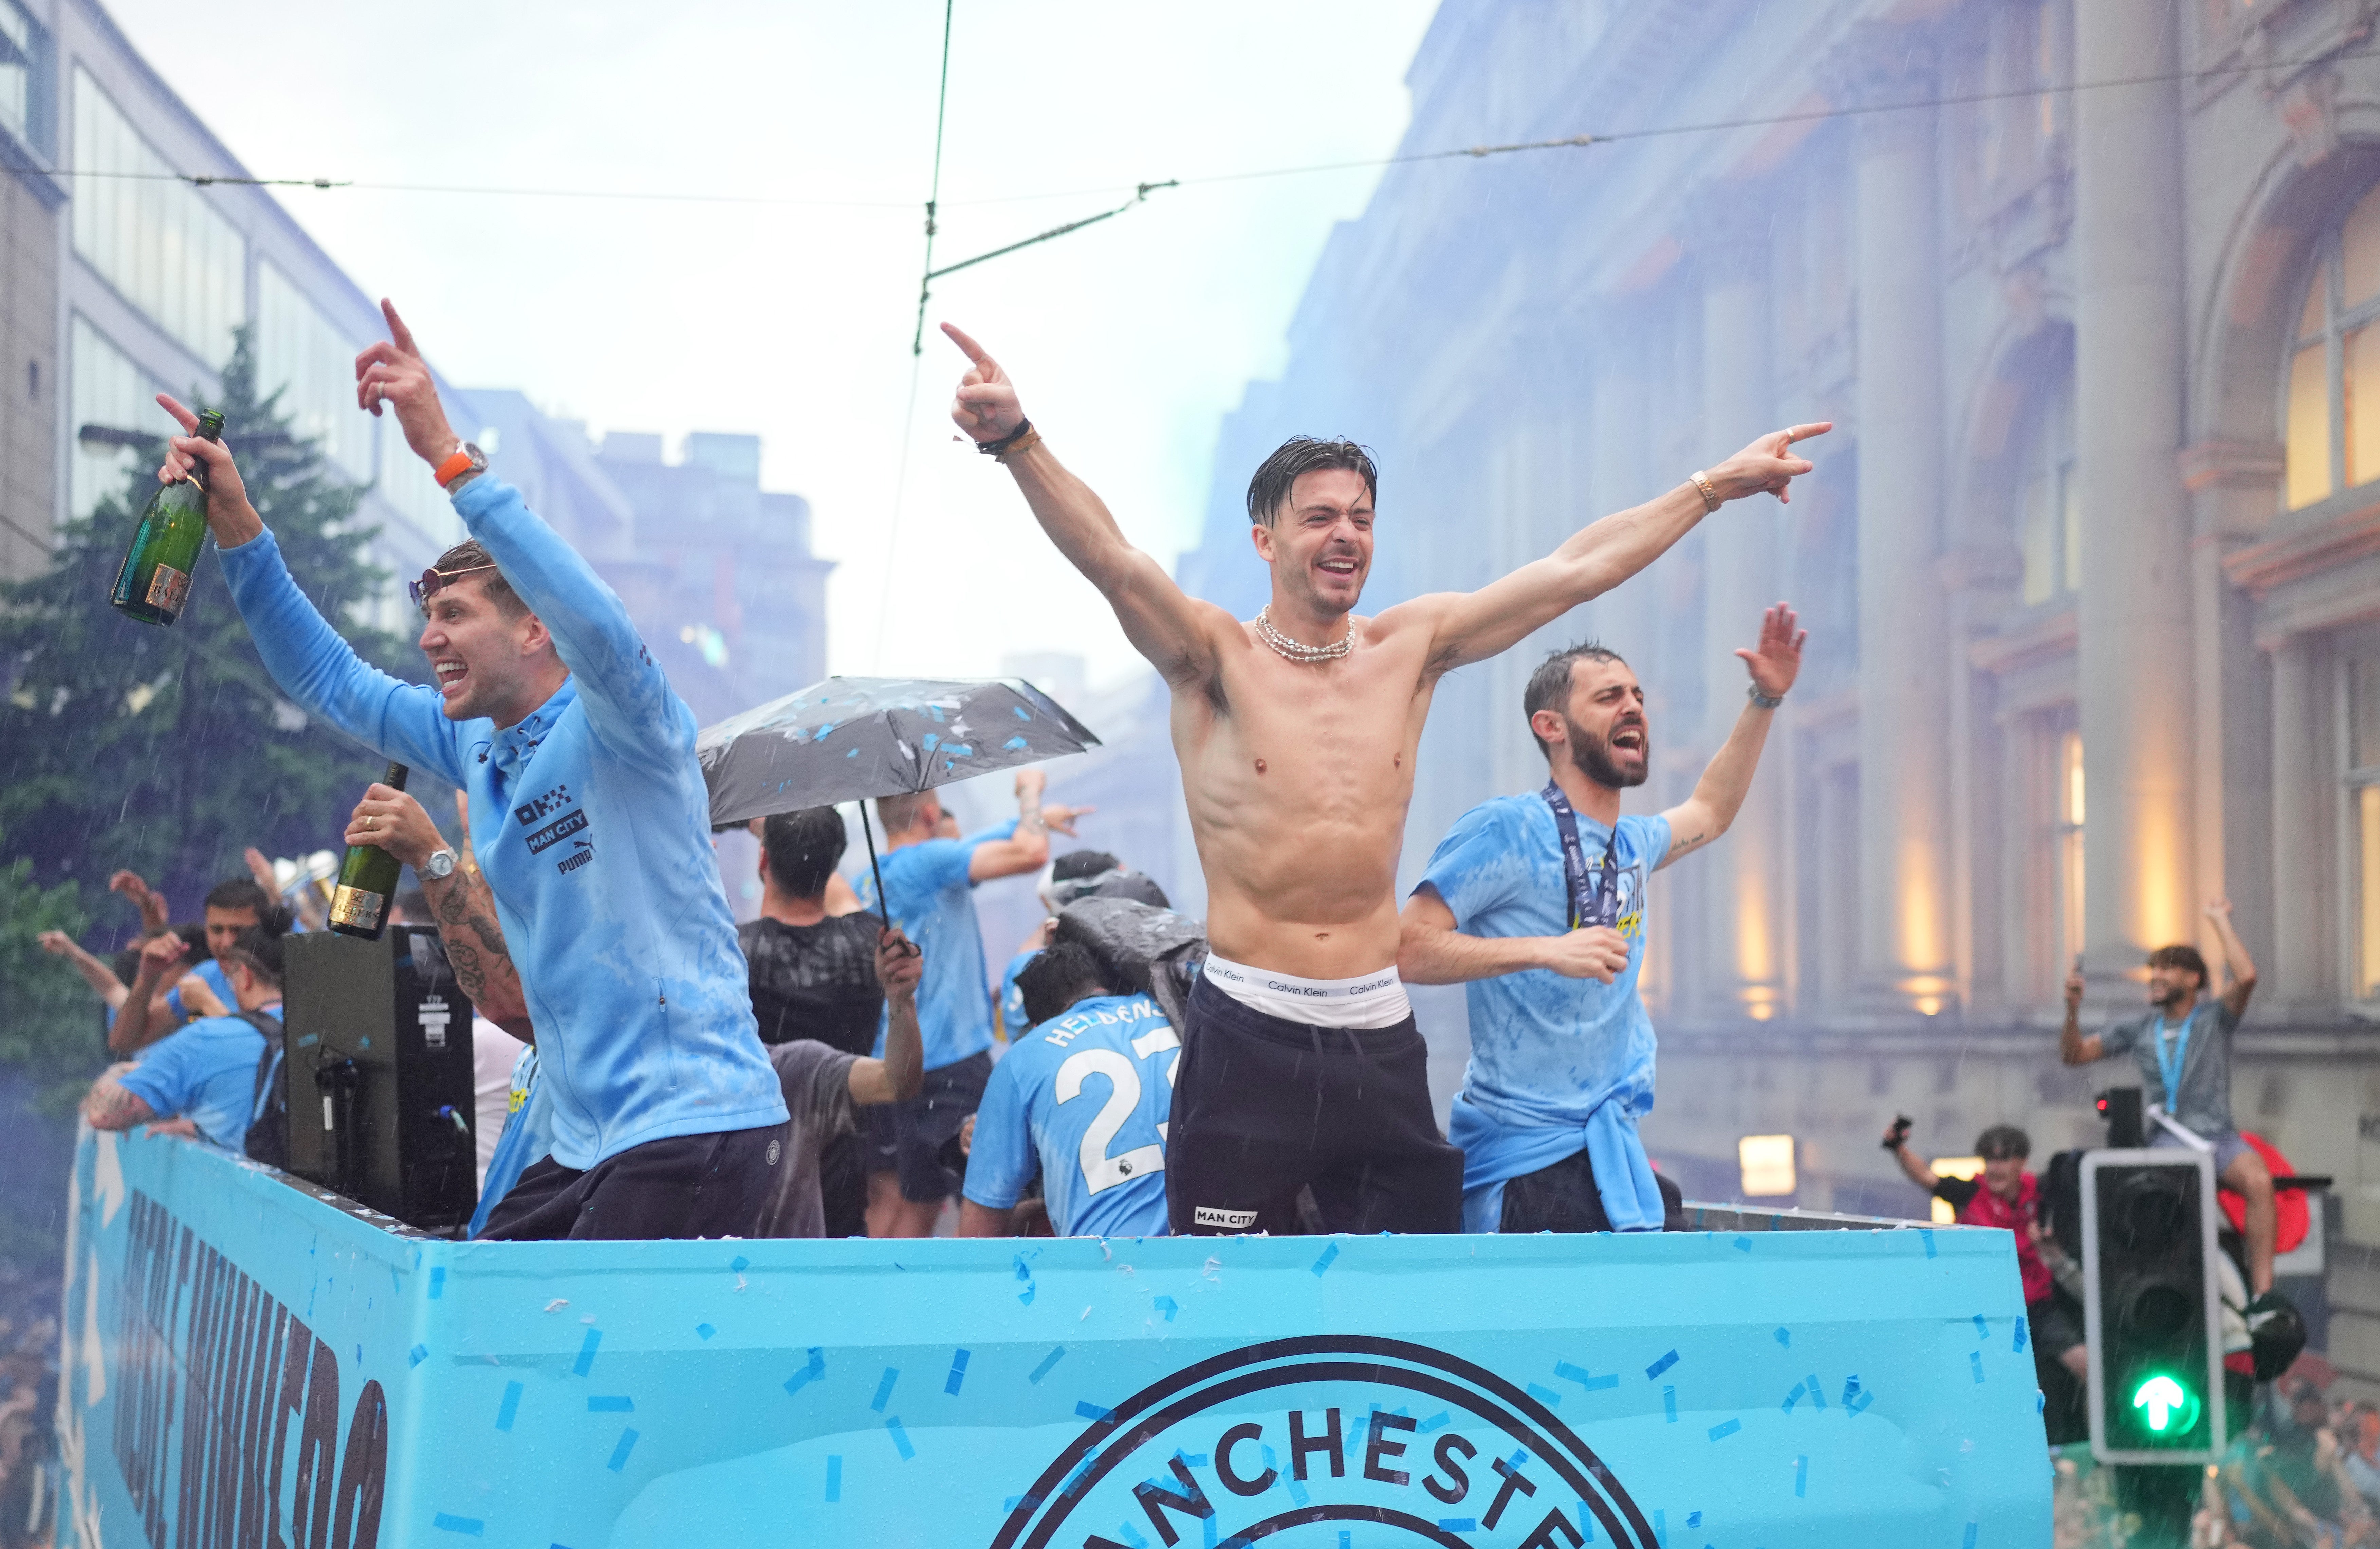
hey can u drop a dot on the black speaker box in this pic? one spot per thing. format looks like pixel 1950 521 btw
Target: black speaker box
pixel 379 1074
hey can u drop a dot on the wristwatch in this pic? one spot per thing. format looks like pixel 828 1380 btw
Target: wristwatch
pixel 1764 701
pixel 439 866
pixel 466 462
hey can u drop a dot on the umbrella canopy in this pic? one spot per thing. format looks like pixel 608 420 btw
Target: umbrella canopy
pixel 854 739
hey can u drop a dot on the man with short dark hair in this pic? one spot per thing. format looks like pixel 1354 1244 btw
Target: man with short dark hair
pixel 232 906
pixel 931 880
pixel 813 977
pixel 1296 733
pixel 2183 1045
pixel 1537 904
pixel 590 819
pixel 1082 1099
pixel 2009 1197
pixel 204 1076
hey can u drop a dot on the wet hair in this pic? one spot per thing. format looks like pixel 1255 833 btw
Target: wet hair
pixel 899 813
pixel 1076 864
pixel 259 949
pixel 2001 1141
pixel 240 892
pixel 470 554
pixel 804 848
pixel 1549 686
pixel 1277 475
pixel 1058 976
pixel 2179 955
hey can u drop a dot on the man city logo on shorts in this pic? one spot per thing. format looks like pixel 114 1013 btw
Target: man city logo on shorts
pixel 1229 1220
pixel 1288 1438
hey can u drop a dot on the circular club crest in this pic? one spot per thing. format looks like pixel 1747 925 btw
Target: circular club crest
pixel 1300 1441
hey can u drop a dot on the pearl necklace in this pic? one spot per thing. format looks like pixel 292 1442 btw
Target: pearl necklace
pixel 1298 651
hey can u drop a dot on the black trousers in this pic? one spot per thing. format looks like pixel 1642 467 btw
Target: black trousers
pixel 1563 1198
pixel 687 1186
pixel 1264 1107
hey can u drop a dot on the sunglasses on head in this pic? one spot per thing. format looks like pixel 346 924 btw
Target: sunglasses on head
pixel 434 580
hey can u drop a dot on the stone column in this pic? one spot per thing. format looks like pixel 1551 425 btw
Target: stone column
pixel 2137 706
pixel 1745 874
pixel 1903 727
pixel 2300 793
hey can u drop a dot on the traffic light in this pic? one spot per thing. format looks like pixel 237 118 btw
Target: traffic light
pixel 2151 1307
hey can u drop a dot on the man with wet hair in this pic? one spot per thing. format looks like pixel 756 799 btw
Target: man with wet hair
pixel 1536 904
pixel 590 819
pixel 2182 1044
pixel 232 906
pixel 1296 733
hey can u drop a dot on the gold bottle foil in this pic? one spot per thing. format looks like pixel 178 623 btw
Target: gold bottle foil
pixel 354 907
pixel 167 587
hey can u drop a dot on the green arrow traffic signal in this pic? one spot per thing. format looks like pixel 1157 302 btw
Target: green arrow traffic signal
pixel 2164 1399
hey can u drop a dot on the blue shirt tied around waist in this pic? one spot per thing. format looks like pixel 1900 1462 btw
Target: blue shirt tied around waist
pixel 933 902
pixel 592 827
pixel 1084 1098
pixel 1557 1065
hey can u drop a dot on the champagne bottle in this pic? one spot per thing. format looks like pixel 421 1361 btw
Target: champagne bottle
pixel 155 580
pixel 367 882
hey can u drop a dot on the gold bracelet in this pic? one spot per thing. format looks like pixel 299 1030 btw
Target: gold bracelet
pixel 1026 442
pixel 1710 496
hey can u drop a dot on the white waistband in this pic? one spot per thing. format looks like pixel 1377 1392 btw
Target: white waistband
pixel 1368 1000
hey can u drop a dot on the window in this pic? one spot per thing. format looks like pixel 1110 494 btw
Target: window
pixel 2331 434
pixel 158 241
pixel 2050 518
pixel 2364 796
pixel 108 394
pixel 19 47
pixel 301 355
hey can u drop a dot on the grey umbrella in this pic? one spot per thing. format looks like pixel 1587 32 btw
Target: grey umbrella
pixel 854 738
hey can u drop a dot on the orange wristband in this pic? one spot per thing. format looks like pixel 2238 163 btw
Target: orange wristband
pixel 453 467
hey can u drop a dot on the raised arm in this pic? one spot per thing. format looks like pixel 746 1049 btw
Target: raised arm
pixel 1719 795
pixel 1177 634
pixel 144 1005
pixel 1896 1140
pixel 459 901
pixel 2073 1047
pixel 901 1074
pixel 98 975
pixel 627 697
pixel 2236 961
pixel 1015 849
pixel 1472 627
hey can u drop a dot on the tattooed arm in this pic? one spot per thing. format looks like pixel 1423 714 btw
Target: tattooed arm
pixel 460 903
pixel 107 1106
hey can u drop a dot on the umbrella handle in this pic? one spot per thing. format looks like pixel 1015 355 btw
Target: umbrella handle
pixel 883 903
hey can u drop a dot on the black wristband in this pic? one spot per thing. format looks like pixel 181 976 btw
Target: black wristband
pixel 993 448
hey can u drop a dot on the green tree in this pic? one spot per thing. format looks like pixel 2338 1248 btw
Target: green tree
pixel 170 751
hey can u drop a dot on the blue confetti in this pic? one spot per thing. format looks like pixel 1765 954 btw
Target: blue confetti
pixel 1818 1394
pixel 2018 1345
pixel 470 1526
pixel 958 1372
pixel 900 1438
pixel 1975 1363
pixel 834 1476
pixel 1670 1404
pixel 1586 1522
pixel 437 1281
pixel 1982 1329
pixel 1660 1527
pixel 738 1264
pixel 1022 714
pixel 1168 1306
pixel 807 1374
pixel 417 1354
pixel 1434 1422
pixel 586 1362
pixel 1967 1539
pixel 932 741
pixel 1801 1475
pixel 704 1331
pixel 1693 1519
pixel 1458 1524
pixel 1795 1396
pixel 965 749
pixel 853 754
pixel 1090 1410
pixel 1785 1338
pixel 1929 1241
pixel 620 1453
pixel 510 1408
pixel 1013 745
pixel 1323 1263
pixel 1660 1366
pixel 1724 1429
pixel 1743 1245
pixel 610 1404
pixel 1543 1395
pixel 1049 1360
pixel 1579 1374
pixel 884 1389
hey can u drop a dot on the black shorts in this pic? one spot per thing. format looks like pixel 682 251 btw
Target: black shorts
pixel 913 1138
pixel 1563 1198
pixel 1264 1107
pixel 687 1186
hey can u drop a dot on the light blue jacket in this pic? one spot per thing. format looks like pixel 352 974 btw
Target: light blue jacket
pixel 593 828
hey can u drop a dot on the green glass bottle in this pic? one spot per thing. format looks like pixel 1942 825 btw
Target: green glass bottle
pixel 367 882
pixel 155 581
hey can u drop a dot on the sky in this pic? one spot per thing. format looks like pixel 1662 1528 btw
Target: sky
pixel 793 320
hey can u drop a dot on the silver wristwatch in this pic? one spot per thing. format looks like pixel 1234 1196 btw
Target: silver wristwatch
pixel 439 866
pixel 1763 701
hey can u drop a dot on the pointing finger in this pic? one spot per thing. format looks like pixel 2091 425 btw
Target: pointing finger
pixel 1804 432
pixel 167 402
pixel 975 351
pixel 397 331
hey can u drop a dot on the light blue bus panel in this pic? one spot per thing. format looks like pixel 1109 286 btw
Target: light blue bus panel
pixel 248 1361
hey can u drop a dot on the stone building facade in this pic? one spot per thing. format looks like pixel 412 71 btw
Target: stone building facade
pixel 2091 561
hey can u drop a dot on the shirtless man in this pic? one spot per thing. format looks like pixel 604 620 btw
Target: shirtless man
pixel 1296 733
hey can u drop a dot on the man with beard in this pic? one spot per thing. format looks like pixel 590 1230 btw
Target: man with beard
pixel 1537 903
pixel 1297 732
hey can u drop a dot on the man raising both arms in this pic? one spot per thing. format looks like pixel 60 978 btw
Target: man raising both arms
pixel 1297 736
pixel 590 822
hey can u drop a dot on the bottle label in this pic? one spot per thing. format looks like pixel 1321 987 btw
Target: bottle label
pixel 168 588
pixel 356 907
